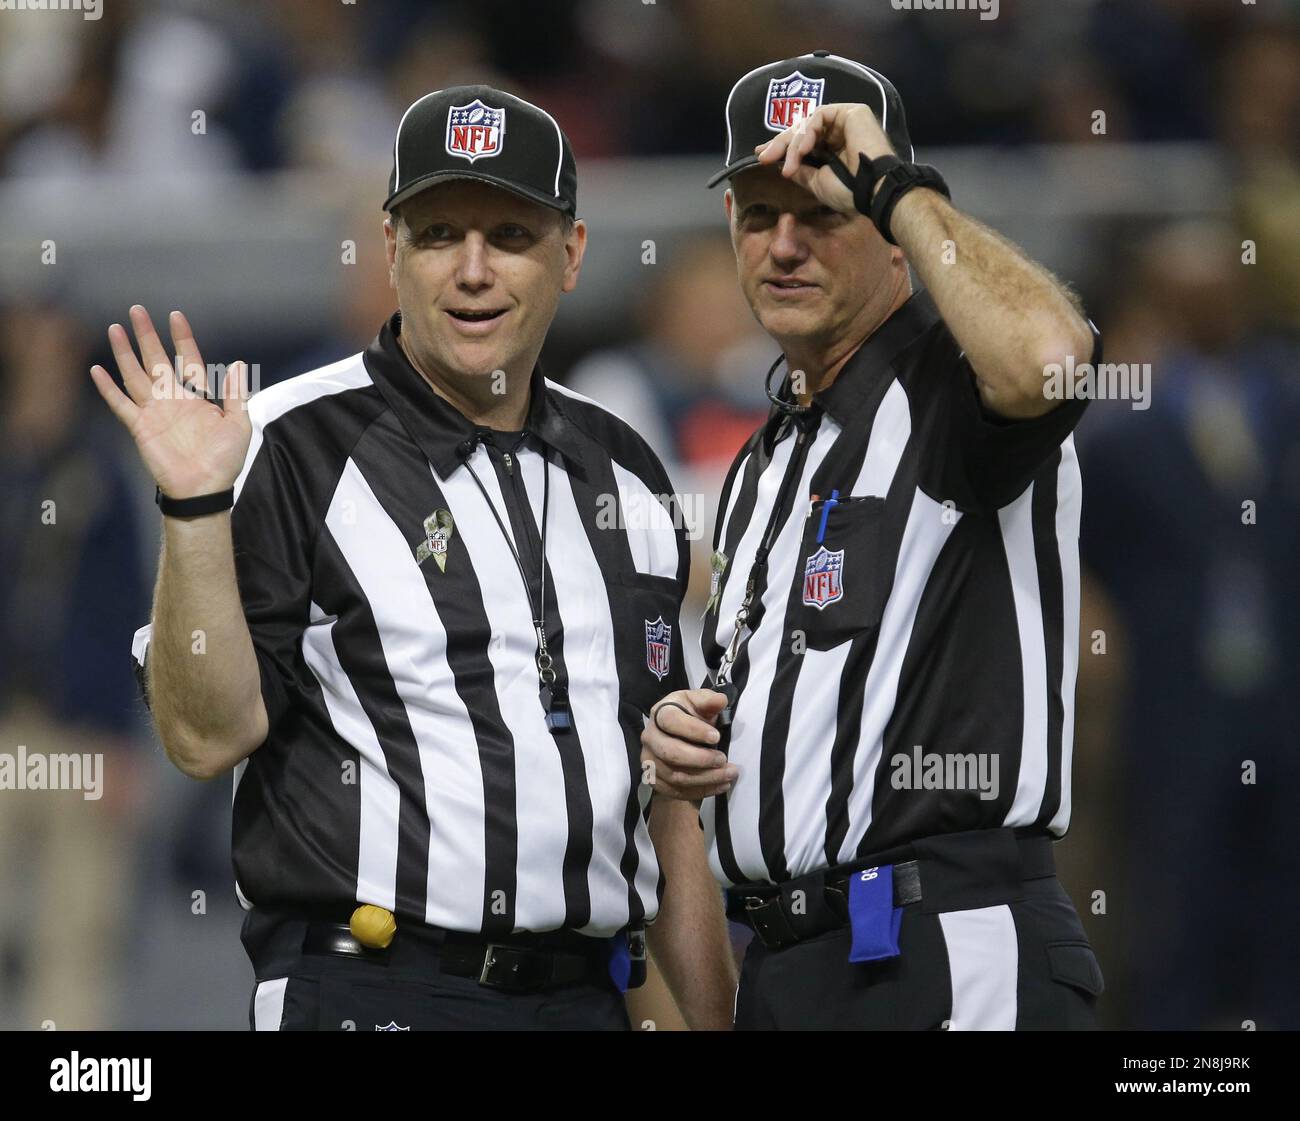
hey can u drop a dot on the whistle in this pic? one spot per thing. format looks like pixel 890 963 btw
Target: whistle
pixel 728 690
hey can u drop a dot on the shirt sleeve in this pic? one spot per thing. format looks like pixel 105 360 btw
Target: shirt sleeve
pixel 272 537
pixel 667 561
pixel 973 457
pixel 677 677
pixel 139 653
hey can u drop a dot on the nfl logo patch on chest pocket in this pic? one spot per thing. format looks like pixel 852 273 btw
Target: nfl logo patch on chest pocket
pixel 658 646
pixel 823 577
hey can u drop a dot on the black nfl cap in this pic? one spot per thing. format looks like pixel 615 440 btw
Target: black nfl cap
pixel 767 101
pixel 477 132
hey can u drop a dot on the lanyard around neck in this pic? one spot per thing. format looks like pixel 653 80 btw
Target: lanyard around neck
pixel 554 697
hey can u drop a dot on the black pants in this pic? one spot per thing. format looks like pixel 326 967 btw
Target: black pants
pixel 329 994
pixel 1024 965
pixel 298 991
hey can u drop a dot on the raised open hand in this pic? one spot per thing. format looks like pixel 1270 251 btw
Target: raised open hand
pixel 190 444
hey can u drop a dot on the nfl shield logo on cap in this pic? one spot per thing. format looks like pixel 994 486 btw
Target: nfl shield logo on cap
pixel 777 96
pixel 475 130
pixel 460 133
pixel 792 98
pixel 658 645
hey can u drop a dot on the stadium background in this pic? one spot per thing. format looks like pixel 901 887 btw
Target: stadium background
pixel 121 913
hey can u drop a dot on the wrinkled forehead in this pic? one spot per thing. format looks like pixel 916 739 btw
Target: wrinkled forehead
pixel 765 183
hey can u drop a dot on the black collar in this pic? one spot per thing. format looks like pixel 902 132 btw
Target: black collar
pixel 859 381
pixel 440 429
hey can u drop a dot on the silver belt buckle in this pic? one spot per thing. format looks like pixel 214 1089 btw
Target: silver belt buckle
pixel 489 960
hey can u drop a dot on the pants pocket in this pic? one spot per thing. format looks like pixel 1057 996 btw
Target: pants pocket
pixel 455 1003
pixel 1061 978
pixel 1075 964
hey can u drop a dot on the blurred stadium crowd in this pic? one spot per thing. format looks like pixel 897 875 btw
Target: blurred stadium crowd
pixel 120 912
pixel 308 84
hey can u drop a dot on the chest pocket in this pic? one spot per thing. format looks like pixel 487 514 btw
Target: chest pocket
pixel 841 581
pixel 644 610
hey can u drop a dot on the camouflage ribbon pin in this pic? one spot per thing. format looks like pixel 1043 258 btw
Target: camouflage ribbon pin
pixel 438 528
pixel 717 565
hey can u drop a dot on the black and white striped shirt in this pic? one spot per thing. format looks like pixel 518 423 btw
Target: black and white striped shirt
pixel 408 763
pixel 922 628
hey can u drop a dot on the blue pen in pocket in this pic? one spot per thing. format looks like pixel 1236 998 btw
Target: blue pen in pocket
pixel 826 513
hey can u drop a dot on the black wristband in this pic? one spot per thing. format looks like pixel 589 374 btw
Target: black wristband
pixel 869 173
pixel 197 506
pixel 898 178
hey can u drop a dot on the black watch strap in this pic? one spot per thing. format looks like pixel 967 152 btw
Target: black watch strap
pixel 897 180
pixel 197 506
pixel 869 174
pixel 859 185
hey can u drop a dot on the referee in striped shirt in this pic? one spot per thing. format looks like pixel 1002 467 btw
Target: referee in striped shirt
pixel 426 634
pixel 883 756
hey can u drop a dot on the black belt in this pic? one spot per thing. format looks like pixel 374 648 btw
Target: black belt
pixel 514 966
pixel 954 871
